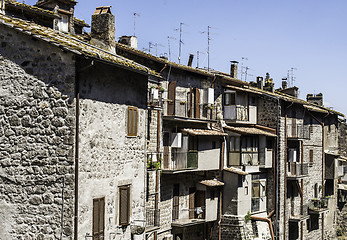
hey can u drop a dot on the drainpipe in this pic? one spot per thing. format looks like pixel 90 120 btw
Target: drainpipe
pixel 277 169
pixel 285 171
pixel 302 192
pixel 268 220
pixel 221 192
pixel 77 96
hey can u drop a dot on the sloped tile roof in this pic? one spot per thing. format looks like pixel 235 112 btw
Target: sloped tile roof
pixel 249 131
pixel 31 8
pixel 212 183
pixel 71 43
pixel 203 132
pixel 235 170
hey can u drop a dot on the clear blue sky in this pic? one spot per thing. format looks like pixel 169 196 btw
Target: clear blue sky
pixel 275 36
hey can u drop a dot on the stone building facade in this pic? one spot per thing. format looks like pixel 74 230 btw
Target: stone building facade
pixel 99 140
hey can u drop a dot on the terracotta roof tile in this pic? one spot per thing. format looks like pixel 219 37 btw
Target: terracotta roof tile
pixel 203 132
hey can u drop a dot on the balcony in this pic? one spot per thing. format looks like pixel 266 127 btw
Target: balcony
pixel 236 113
pixel 298 131
pixel 297 170
pixel 152 217
pixel 183 109
pixel 181 161
pixel 318 205
pixel 154 98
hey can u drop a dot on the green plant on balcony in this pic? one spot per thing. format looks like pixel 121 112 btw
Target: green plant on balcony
pixel 248 217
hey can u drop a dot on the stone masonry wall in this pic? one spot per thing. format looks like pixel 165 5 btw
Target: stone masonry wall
pixel 36 139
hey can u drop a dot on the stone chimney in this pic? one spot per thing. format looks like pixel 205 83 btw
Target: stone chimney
pixel 190 61
pixel 260 82
pixel 315 99
pixel 103 28
pixel 233 69
pixel 284 83
pixel 269 83
pixel 130 41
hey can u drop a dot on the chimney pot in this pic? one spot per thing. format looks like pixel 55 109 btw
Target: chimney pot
pixel 260 82
pixel 233 69
pixel 284 83
pixel 190 61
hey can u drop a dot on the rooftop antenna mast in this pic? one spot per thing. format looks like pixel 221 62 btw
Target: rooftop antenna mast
pixel 135 15
pixel 180 43
pixel 242 67
pixel 198 58
pixel 208 46
pixel 168 42
pixel 292 73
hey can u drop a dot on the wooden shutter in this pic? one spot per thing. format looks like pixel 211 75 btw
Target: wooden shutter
pixel 171 99
pixel 132 121
pixel 191 203
pixel 98 218
pixel 197 103
pixel 311 156
pixel 190 112
pixel 124 205
pixel 175 201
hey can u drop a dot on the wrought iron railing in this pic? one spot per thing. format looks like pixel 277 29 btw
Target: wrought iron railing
pixel 298 131
pixel 296 169
pixel 152 217
pixel 182 160
pixel 319 204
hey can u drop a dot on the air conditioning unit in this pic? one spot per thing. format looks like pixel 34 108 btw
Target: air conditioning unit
pixel 209 96
pixel 176 140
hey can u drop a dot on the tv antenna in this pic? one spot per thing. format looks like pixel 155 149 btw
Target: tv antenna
pixel 135 15
pixel 208 46
pixel 242 67
pixel 198 58
pixel 168 42
pixel 180 42
pixel 246 73
pixel 291 76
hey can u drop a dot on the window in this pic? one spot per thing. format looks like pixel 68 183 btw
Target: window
pixel 124 205
pixel 234 144
pixel 132 121
pixel 250 144
pixel 63 23
pixel 311 157
pixel 98 218
pixel 229 98
pixel 175 201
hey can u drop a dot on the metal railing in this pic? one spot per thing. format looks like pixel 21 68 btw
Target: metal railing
pixel 320 204
pixel 154 100
pixel 296 169
pixel 154 160
pixel 183 109
pixel 152 217
pixel 298 131
pixel 199 212
pixel 182 160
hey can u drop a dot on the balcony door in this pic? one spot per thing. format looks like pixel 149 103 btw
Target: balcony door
pixel 200 199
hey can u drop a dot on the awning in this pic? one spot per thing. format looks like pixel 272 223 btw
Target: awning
pixel 203 132
pixel 212 183
pixel 249 131
pixel 235 170
pixel 332 153
pixel 342 187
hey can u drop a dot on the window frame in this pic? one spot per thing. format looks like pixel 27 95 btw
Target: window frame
pixel 133 116
pixel 98 212
pixel 126 188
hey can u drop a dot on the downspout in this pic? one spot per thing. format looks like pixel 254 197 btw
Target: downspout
pixel 302 192
pixel 221 192
pixel 268 220
pixel 77 96
pixel 277 169
pixel 285 172
pixel 156 204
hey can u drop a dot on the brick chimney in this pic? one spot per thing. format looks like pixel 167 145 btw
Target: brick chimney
pixel 315 99
pixel 233 69
pixel 103 28
pixel 260 83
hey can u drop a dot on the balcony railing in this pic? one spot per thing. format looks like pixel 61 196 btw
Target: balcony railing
pixel 181 161
pixel 154 98
pixel 154 160
pixel 296 169
pixel 198 212
pixel 318 205
pixel 152 217
pixel 236 112
pixel 298 131
pixel 181 108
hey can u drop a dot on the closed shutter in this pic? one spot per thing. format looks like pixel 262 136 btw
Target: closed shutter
pixel 190 112
pixel 197 103
pixel 124 205
pixel 171 99
pixel 98 218
pixel 175 201
pixel 192 203
pixel 132 121
pixel 311 157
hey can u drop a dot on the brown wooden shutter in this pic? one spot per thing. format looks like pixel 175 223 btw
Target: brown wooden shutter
pixel 171 99
pixel 175 201
pixel 132 121
pixel 190 102
pixel 191 203
pixel 197 103
pixel 124 205
pixel 311 156
pixel 98 218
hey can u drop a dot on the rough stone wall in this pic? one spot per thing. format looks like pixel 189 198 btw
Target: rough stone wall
pixel 267 112
pixel 37 117
pixel 108 157
pixel 342 139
